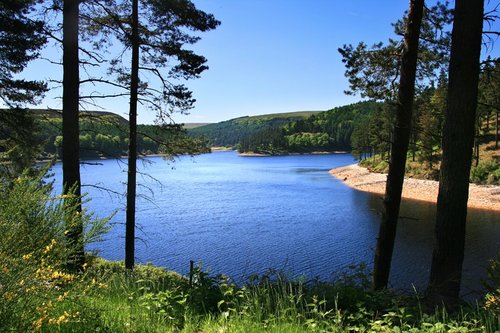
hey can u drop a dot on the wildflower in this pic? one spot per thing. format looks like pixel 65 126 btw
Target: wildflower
pixel 30 289
pixel 492 302
pixel 38 324
pixel 49 247
pixel 62 277
pixel 8 296
pixel 60 298
pixel 64 318
pixel 27 257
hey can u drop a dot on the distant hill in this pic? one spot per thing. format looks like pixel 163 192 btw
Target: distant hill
pixel 324 131
pixel 194 125
pixel 231 132
pixel 51 114
pixel 113 117
pixel 105 135
pixel 284 115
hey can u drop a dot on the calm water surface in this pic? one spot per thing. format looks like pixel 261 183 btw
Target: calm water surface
pixel 244 215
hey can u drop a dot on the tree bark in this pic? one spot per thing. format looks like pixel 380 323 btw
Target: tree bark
pixel 496 131
pixel 71 131
pixel 458 138
pixel 399 147
pixel 132 144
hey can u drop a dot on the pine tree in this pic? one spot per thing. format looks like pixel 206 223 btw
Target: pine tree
pixel 156 31
pixel 20 40
pixel 458 137
pixel 399 148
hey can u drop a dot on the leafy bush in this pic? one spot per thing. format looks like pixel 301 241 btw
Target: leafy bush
pixel 381 167
pixel 486 172
pixel 375 164
pixel 492 284
pixel 33 254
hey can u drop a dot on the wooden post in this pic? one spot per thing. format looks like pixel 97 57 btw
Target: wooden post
pixel 191 273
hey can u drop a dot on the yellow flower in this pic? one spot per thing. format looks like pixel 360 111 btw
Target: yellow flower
pixel 60 298
pixel 8 296
pixel 492 302
pixel 56 275
pixel 49 247
pixel 38 324
pixel 30 289
pixel 27 257
pixel 64 318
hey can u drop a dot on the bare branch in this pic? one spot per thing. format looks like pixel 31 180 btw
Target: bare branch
pixel 95 80
pixel 103 96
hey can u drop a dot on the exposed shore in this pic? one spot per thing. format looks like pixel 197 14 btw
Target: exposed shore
pixel 359 178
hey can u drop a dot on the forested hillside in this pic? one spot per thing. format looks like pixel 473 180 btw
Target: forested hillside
pixel 231 132
pixel 105 135
pixel 326 131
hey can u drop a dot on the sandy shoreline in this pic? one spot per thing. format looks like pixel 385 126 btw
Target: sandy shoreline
pixel 480 196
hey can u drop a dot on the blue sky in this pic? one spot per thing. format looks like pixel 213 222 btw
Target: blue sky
pixel 270 56
pixel 278 56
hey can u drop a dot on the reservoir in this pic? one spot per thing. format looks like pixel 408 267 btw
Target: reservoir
pixel 245 215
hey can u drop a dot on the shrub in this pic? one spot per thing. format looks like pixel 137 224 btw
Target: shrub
pixel 492 285
pixel 33 254
pixel 375 164
pixel 486 172
pixel 382 167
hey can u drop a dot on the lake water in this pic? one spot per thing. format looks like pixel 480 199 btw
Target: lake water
pixel 244 215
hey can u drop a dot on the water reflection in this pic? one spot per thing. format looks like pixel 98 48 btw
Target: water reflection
pixel 415 239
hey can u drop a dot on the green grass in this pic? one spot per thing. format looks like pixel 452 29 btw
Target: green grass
pixel 150 299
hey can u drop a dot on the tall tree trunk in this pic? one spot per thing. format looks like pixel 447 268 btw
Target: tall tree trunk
pixel 475 146
pixel 132 143
pixel 458 138
pixel 71 131
pixel 399 148
pixel 496 131
pixel 487 129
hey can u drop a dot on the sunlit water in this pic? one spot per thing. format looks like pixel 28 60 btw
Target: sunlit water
pixel 244 215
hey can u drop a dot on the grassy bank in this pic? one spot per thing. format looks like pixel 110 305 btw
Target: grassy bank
pixel 108 298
